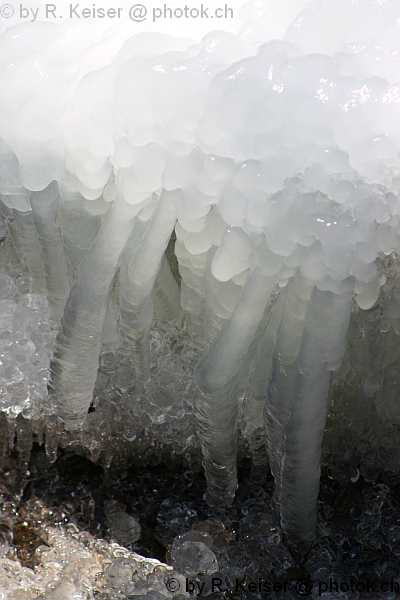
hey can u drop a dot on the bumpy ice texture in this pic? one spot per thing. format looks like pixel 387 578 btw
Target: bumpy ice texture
pixel 274 169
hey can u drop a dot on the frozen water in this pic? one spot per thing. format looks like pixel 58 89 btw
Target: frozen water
pixel 192 554
pixel 269 155
pixel 124 528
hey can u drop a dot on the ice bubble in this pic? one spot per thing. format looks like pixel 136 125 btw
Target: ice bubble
pixel 120 573
pixel 193 557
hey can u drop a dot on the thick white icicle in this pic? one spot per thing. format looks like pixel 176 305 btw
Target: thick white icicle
pixel 216 379
pixel 45 210
pixel 76 351
pixel 284 370
pixel 137 281
pixel 322 348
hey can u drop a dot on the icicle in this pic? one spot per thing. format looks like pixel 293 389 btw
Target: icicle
pixel 192 270
pixel 28 238
pixel 11 432
pixel 3 436
pixel 247 364
pixel 166 294
pixel 110 339
pixel 79 228
pixel 137 280
pixel 257 394
pixel 3 225
pixel 217 420
pixel 76 351
pixel 24 441
pixel 53 430
pixel 45 209
pixel 262 367
pixel 372 380
pixel 355 337
pixel 8 216
pixel 322 348
pixel 221 299
pixel 216 379
pixel 284 371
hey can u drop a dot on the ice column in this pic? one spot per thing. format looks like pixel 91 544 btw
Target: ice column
pixel 257 392
pixel 221 298
pixel 45 210
pixel 373 374
pixel 137 281
pixel 216 379
pixel 166 293
pixel 76 351
pixel 3 225
pixel 321 351
pixel 9 220
pixel 284 370
pixel 79 229
pixel 28 237
pixel 192 269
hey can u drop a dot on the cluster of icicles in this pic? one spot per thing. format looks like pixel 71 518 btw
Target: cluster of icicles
pixel 278 172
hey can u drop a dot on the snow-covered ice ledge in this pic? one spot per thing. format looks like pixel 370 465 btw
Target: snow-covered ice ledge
pixel 213 217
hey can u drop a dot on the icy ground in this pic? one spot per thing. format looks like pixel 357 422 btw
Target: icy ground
pixel 60 528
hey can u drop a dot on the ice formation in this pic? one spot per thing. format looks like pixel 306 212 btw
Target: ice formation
pixel 264 163
pixel 71 564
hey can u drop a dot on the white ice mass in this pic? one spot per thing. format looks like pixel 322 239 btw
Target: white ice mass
pixel 213 219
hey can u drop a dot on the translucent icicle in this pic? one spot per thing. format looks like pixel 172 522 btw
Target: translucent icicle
pixel 125 350
pixel 166 294
pixel 192 270
pixel 262 366
pixel 257 394
pixel 3 225
pixel 79 228
pixel 24 441
pixel 216 379
pixel 29 240
pixel 52 435
pixel 76 351
pixel 254 409
pixel 221 298
pixel 284 371
pixel 3 436
pixel 372 380
pixel 322 348
pixel 137 281
pixel 45 210
pixel 217 422
pixel 8 216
